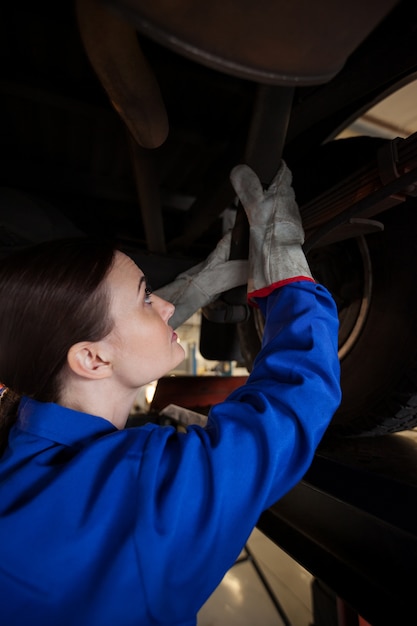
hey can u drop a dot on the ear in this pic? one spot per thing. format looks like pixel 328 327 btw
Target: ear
pixel 89 360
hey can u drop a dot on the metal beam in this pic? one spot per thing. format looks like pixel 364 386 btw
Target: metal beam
pixel 352 523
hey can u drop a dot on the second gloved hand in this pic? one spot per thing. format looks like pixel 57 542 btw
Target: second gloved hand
pixel 203 283
pixel 276 256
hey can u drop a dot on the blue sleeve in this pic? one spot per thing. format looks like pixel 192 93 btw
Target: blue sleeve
pixel 206 488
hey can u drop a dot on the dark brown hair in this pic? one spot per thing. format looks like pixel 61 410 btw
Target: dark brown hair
pixel 52 295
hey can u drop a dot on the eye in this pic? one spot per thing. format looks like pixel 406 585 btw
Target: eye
pixel 148 294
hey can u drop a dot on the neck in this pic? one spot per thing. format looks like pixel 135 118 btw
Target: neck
pixel 99 397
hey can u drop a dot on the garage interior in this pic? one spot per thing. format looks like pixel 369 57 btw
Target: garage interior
pixel 341 548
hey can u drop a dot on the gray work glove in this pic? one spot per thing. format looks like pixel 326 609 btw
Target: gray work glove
pixel 203 283
pixel 276 256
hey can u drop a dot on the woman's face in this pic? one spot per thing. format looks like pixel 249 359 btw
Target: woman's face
pixel 144 347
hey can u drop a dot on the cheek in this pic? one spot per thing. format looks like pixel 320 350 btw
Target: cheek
pixel 130 340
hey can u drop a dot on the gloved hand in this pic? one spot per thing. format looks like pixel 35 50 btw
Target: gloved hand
pixel 276 256
pixel 203 283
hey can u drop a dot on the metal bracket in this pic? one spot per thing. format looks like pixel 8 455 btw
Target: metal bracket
pixel 388 160
pixel 222 312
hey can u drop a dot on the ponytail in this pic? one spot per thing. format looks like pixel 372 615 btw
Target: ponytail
pixel 9 403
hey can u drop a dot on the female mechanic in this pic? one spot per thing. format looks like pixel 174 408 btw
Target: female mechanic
pixel 104 525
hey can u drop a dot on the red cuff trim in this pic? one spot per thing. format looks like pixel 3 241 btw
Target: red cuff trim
pixel 265 291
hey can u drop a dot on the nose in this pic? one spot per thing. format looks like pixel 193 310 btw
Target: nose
pixel 165 309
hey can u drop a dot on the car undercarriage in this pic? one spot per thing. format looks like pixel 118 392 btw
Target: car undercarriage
pixel 122 119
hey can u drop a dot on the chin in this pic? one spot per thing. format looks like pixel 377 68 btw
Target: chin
pixel 182 355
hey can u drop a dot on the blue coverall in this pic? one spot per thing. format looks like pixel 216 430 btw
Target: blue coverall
pixel 137 527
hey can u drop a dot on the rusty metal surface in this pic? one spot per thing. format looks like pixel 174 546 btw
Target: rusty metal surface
pixel 282 43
